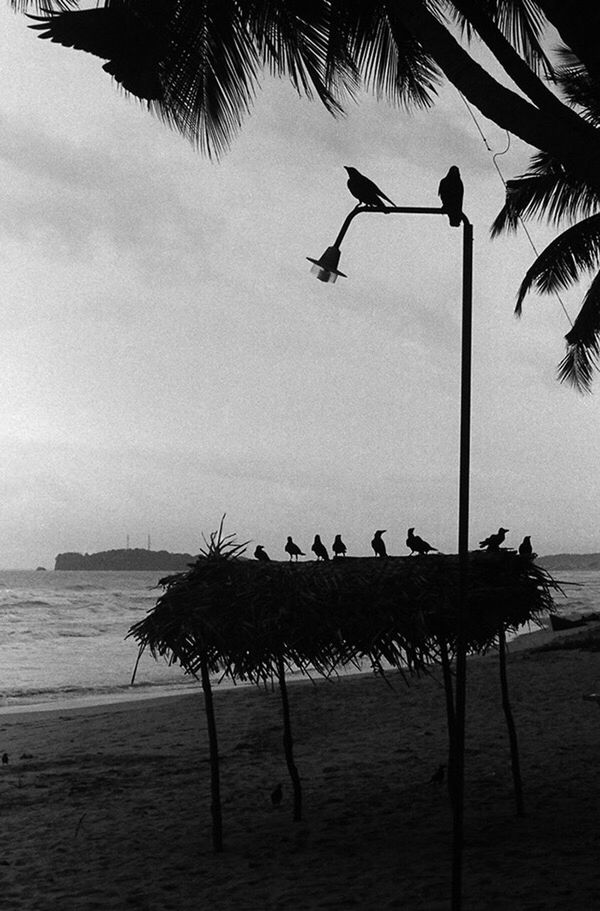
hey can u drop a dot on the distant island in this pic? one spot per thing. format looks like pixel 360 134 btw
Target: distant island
pixel 570 561
pixel 125 559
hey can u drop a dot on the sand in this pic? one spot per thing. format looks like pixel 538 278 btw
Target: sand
pixel 109 807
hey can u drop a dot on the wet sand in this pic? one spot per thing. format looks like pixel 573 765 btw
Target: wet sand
pixel 108 807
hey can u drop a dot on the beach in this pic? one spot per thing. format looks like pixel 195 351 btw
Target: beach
pixel 108 807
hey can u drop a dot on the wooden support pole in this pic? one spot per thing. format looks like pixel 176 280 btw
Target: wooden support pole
pixel 288 743
pixel 215 786
pixel 510 723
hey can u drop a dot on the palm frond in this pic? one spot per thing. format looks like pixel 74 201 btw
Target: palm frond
pixel 575 250
pixel 521 22
pixel 392 64
pixel 583 342
pixel 578 86
pixel 545 190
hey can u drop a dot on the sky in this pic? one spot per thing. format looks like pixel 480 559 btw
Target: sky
pixel 168 358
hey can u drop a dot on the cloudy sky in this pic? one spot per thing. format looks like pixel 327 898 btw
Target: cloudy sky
pixel 167 356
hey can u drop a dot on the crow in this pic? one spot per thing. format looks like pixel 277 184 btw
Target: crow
pixel 417 544
pixel 494 541
pixel 451 192
pixel 319 549
pixel 338 546
pixel 525 548
pixel 365 190
pixel 261 554
pixel 132 41
pixel 438 776
pixel 277 795
pixel 378 544
pixel 293 550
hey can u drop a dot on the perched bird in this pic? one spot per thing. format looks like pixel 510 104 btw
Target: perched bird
pixel 378 544
pixel 319 549
pixel 131 37
pixel 277 795
pixel 365 190
pixel 525 548
pixel 5 759
pixel 451 192
pixel 292 549
pixel 261 554
pixel 438 776
pixel 417 544
pixel 494 541
pixel 338 546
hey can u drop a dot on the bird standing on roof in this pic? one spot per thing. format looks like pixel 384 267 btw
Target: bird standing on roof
pixel 319 549
pixel 525 548
pixel 378 544
pixel 451 192
pixel 338 546
pixel 417 544
pixel 494 541
pixel 292 549
pixel 365 190
pixel 261 554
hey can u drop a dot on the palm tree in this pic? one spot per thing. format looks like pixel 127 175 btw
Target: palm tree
pixel 201 60
pixel 549 190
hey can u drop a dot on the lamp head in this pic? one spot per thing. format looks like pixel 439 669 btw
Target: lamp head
pixel 326 268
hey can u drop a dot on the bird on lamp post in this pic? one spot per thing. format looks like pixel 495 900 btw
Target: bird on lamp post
pixel 367 192
pixel 451 192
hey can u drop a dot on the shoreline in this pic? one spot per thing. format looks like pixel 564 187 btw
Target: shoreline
pixel 521 642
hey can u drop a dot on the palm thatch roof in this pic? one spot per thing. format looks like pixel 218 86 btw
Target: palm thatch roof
pixel 241 617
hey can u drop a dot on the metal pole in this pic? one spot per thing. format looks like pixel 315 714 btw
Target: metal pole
pixel 463 564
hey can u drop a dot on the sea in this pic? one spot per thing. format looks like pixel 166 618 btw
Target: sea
pixel 63 636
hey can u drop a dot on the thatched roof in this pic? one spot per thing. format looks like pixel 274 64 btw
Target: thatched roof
pixel 241 616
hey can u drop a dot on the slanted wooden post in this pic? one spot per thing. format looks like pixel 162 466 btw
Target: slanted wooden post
pixel 288 743
pixel 510 724
pixel 215 787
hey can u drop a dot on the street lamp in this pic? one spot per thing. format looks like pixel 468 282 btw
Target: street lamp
pixel 326 270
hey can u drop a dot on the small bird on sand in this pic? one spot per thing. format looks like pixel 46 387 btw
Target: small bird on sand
pixel 418 545
pixel 525 548
pixel 277 795
pixel 378 544
pixel 451 192
pixel 5 759
pixel 438 776
pixel 319 549
pixel 292 549
pixel 494 541
pixel 261 554
pixel 338 546
pixel 365 190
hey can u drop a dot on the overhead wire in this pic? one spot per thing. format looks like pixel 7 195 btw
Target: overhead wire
pixel 496 155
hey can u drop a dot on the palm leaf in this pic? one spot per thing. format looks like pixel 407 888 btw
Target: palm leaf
pixel 580 88
pixel 560 264
pixel 583 342
pixel 545 190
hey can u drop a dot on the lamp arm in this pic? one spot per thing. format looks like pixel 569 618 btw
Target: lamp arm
pixel 394 210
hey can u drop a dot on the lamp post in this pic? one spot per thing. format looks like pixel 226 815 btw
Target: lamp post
pixel 326 270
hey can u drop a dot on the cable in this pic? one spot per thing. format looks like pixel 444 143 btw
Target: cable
pixel 496 155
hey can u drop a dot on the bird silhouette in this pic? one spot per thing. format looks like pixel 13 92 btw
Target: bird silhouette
pixel 438 776
pixel 338 546
pixel 292 549
pixel 277 795
pixel 261 554
pixel 417 544
pixel 451 192
pixel 319 549
pixel 494 541
pixel 5 759
pixel 378 544
pixel 365 190
pixel 525 548
pixel 130 37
